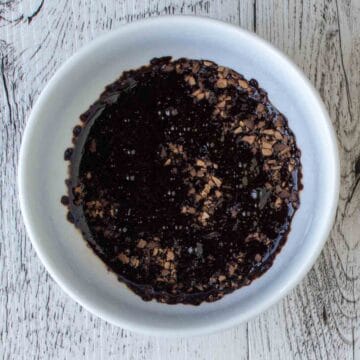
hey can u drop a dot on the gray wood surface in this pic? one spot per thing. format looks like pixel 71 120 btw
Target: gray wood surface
pixel 318 320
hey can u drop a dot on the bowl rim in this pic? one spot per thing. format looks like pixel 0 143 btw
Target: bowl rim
pixel 291 281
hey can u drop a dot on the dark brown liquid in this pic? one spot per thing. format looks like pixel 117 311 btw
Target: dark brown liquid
pixel 176 191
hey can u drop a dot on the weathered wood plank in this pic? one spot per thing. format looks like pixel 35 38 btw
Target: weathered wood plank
pixel 323 39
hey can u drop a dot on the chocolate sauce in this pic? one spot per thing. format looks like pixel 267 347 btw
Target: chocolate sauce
pixel 184 179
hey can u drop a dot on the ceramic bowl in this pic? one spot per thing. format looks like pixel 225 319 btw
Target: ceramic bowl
pixel 78 83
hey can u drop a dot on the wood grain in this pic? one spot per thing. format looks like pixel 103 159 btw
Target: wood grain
pixel 318 320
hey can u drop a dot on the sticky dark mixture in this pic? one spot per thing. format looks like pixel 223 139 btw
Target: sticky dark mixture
pixel 184 179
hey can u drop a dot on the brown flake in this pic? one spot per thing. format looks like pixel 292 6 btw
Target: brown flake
pixel 204 216
pixel 196 92
pixel 200 163
pixel 270 132
pixel 216 112
pixel 216 180
pixel 141 243
pixel 200 96
pixel 279 122
pixel 221 83
pixel 285 151
pixel 249 123
pixel 191 210
pixel 208 63
pixel 250 139
pixel 261 124
pixel 195 67
pixel 225 72
pixel 279 147
pixel 266 145
pixel 266 152
pixel 243 83
pixel 79 189
pixel 134 261
pixel 221 104
pixel 206 190
pixel 200 173
pixel 238 130
pixel 190 80
pixel 123 258
pixel 278 135
pixel 176 149
pixel 170 256
pixel 260 108
pixel 278 203
pixel 168 68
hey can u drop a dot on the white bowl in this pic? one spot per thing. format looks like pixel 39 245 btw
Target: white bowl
pixel 42 170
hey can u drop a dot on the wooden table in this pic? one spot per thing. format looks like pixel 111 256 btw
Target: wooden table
pixel 318 320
